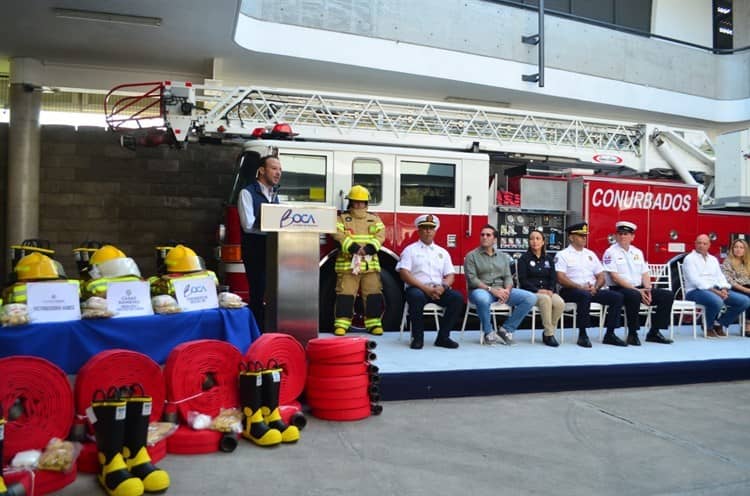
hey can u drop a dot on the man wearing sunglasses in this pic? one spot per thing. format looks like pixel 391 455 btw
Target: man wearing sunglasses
pixel 489 280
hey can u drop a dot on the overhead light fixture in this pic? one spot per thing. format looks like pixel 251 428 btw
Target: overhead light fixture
pixel 109 17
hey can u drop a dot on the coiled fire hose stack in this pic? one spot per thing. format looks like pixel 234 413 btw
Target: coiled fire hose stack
pixel 201 378
pixel 116 368
pixel 290 355
pixel 342 383
pixel 38 405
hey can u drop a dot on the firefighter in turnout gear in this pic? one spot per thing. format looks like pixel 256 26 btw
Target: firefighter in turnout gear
pixel 361 235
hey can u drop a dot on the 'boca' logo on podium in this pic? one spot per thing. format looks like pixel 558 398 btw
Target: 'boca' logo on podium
pixel 289 218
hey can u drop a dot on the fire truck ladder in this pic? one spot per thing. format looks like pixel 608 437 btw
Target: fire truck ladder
pixel 367 119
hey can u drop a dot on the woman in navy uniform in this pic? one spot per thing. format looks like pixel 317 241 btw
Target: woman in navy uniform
pixel 536 273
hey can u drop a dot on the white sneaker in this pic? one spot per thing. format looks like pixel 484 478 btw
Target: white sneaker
pixel 491 338
pixel 505 336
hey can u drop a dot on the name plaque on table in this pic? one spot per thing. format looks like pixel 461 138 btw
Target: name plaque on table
pixel 196 294
pixel 129 299
pixel 52 302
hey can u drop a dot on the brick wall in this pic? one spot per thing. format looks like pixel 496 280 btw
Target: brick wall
pixel 92 189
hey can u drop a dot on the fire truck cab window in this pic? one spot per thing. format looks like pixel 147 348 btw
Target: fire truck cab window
pixel 428 184
pixel 303 178
pixel 368 172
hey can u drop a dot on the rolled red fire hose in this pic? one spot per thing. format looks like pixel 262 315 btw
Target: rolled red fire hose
pixel 340 350
pixel 202 376
pixel 289 354
pixel 120 368
pixel 38 403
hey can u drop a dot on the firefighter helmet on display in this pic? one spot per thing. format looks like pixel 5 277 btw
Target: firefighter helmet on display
pixel 183 259
pixel 106 253
pixel 36 267
pixel 358 193
pixel 109 261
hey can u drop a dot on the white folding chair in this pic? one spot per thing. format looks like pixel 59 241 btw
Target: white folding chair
pixel 534 310
pixel 682 307
pixel 496 309
pixel 430 309
pixel 570 311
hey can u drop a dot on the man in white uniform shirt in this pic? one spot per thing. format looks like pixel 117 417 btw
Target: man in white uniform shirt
pixel 427 271
pixel 627 273
pixel 706 285
pixel 581 276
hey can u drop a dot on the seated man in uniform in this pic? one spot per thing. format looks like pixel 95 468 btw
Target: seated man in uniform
pixel 627 273
pixel 427 271
pixel 581 276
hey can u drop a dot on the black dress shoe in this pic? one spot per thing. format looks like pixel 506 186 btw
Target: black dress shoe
pixel 416 342
pixel 633 339
pixel 550 341
pixel 656 337
pixel 611 338
pixel 583 340
pixel 446 343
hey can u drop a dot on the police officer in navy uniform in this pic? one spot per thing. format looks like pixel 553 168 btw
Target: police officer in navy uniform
pixel 581 275
pixel 627 273
pixel 263 190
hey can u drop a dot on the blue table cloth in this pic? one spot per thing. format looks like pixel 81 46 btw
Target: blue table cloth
pixel 70 344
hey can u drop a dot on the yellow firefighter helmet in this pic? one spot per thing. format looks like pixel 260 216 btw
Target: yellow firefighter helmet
pixel 358 193
pixel 36 267
pixel 108 261
pixel 104 254
pixel 183 259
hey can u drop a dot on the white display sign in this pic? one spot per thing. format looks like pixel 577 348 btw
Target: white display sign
pixel 129 298
pixel 52 301
pixel 297 218
pixel 195 294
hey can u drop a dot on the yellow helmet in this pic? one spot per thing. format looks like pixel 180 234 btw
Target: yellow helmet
pixel 36 267
pixel 104 254
pixel 358 193
pixel 112 263
pixel 183 259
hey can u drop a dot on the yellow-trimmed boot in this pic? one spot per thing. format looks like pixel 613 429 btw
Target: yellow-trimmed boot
pixel 107 414
pixel 135 452
pixel 251 390
pixel 270 406
pixel 339 331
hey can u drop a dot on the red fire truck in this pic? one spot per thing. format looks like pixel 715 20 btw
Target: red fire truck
pixel 469 165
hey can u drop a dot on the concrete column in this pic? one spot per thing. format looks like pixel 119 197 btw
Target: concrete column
pixel 23 150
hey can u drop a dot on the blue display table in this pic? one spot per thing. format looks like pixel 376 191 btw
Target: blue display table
pixel 70 344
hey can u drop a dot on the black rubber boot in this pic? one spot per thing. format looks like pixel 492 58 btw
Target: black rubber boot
pixel 109 424
pixel 270 406
pixel 251 396
pixel 135 452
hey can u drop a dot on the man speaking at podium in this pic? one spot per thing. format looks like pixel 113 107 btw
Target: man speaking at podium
pixel 263 190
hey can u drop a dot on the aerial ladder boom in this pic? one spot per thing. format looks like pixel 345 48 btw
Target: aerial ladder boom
pixel 191 112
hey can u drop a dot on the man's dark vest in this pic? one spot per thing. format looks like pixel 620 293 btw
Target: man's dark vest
pixel 258 199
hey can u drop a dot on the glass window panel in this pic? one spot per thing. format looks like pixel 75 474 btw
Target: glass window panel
pixel 428 184
pixel 369 173
pixel 303 178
